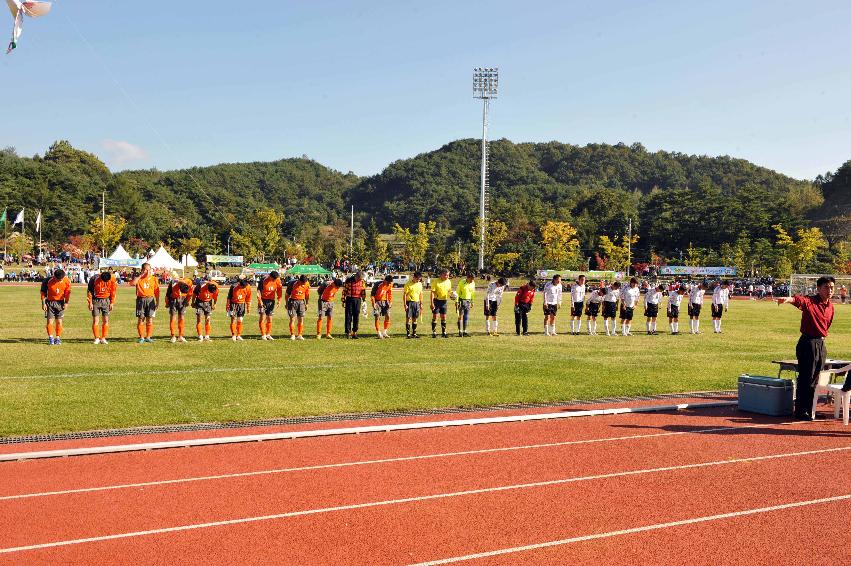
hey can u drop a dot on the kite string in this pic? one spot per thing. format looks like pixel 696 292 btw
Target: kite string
pixel 136 107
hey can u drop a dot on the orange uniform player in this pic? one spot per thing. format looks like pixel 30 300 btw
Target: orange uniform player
pixel 239 297
pixel 268 297
pixel 298 296
pixel 205 296
pixel 178 298
pixel 327 291
pixel 147 302
pixel 101 298
pixel 55 293
pixel 382 301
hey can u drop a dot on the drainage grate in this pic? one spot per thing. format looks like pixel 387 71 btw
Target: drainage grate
pixel 164 429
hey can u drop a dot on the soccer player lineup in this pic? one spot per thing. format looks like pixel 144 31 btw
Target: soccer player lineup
pixel 615 302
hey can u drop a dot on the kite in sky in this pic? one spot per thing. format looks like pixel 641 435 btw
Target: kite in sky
pixel 19 9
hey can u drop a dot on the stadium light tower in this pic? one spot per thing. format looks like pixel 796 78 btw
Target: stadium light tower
pixel 485 87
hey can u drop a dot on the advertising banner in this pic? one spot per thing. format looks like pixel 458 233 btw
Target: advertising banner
pixel 696 270
pixel 224 259
pixel 129 262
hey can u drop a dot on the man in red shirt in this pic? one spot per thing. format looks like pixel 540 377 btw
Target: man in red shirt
pixel 354 292
pixel 816 318
pixel 522 305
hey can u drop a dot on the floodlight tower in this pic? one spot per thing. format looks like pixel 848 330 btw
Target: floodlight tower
pixel 485 87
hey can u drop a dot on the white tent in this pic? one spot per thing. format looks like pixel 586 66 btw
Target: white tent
pixel 120 253
pixel 188 261
pixel 163 260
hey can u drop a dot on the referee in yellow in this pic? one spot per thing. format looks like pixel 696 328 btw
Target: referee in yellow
pixel 440 291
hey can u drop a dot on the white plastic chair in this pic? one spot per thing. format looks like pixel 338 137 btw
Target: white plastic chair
pixel 841 399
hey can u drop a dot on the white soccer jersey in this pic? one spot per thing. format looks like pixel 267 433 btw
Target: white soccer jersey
pixel 629 296
pixel 495 293
pixel 675 299
pixel 695 296
pixel 596 296
pixel 577 293
pixel 721 296
pixel 552 293
pixel 652 297
pixel 611 295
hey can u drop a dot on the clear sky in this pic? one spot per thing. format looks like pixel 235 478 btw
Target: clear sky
pixel 356 85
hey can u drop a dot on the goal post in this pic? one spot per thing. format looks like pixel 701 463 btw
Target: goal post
pixel 805 283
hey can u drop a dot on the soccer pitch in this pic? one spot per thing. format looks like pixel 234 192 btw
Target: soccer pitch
pixel 79 386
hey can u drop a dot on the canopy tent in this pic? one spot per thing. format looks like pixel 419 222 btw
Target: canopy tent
pixel 308 270
pixel 188 260
pixel 163 260
pixel 120 254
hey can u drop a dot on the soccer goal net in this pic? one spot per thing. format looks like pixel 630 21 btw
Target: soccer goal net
pixel 805 283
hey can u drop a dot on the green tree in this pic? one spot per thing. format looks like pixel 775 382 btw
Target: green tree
pixel 561 248
pixel 801 251
pixel 189 246
pixel 617 255
pixel 261 236
pixel 105 234
pixel 415 243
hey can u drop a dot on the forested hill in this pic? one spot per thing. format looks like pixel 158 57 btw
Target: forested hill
pixel 673 199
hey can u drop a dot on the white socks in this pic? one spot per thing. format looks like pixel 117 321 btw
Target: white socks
pixel 606 324
pixel 488 325
pixel 717 325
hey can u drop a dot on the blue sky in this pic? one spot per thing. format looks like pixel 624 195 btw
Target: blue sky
pixel 357 85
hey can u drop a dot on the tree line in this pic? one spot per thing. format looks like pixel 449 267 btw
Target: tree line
pixel 552 205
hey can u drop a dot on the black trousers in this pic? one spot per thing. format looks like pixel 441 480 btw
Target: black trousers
pixel 353 305
pixel 812 355
pixel 521 317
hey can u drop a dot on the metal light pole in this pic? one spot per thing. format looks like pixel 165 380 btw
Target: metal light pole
pixel 485 87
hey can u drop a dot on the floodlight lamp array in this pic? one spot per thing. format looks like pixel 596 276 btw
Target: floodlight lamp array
pixel 485 82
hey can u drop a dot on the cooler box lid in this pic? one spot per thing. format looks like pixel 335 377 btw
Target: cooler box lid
pixel 765 381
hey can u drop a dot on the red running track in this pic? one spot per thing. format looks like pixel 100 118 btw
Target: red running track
pixel 692 487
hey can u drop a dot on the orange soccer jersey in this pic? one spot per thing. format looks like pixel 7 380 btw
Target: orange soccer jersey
pixel 56 290
pixel 239 295
pixel 329 292
pixel 176 293
pixel 205 295
pixel 270 289
pixel 100 289
pixel 384 292
pixel 147 287
pixel 300 291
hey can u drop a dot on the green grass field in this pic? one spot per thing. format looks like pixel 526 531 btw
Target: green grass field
pixel 80 386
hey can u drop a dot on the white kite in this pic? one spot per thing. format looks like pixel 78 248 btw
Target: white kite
pixel 19 9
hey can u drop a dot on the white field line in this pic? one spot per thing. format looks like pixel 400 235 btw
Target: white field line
pixel 645 528
pixel 210 441
pixel 373 462
pixel 437 496
pixel 243 369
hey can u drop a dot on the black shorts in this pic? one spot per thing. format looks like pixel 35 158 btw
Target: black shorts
pixel 694 310
pixel 491 308
pixel 325 308
pixel 237 310
pixel 439 307
pixel 717 311
pixel 55 310
pixel 550 310
pixel 412 310
pixel 267 307
pixel 576 309
pixel 100 307
pixel 381 308
pixel 204 308
pixel 296 308
pixel 146 307
pixel 674 311
pixel 592 309
pixel 464 307
pixel 609 309
pixel 177 306
pixel 651 310
pixel 626 313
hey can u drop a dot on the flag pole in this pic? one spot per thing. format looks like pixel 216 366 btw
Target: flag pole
pixel 5 231
pixel 40 222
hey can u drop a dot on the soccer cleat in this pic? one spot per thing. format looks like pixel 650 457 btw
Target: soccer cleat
pixel 553 333
pixel 434 335
pixel 149 339
pixel 269 337
pixel 97 340
pixel 319 337
pixel 141 340
pixel 50 340
pixel 103 341
pixel 200 338
pixel 415 335
pixel 57 341
pixel 263 337
pixel 495 333
pixel 444 335
pixel 208 339
pixel 239 338
pixel 329 337
pixel 292 336
pixel 299 337
pixel 181 339
pixel 233 337
pixel 174 339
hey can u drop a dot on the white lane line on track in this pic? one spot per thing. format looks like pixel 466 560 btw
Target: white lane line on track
pixel 645 528
pixel 217 440
pixel 382 461
pixel 416 499
pixel 293 367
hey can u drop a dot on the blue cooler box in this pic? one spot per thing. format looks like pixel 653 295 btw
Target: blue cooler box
pixel 765 395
